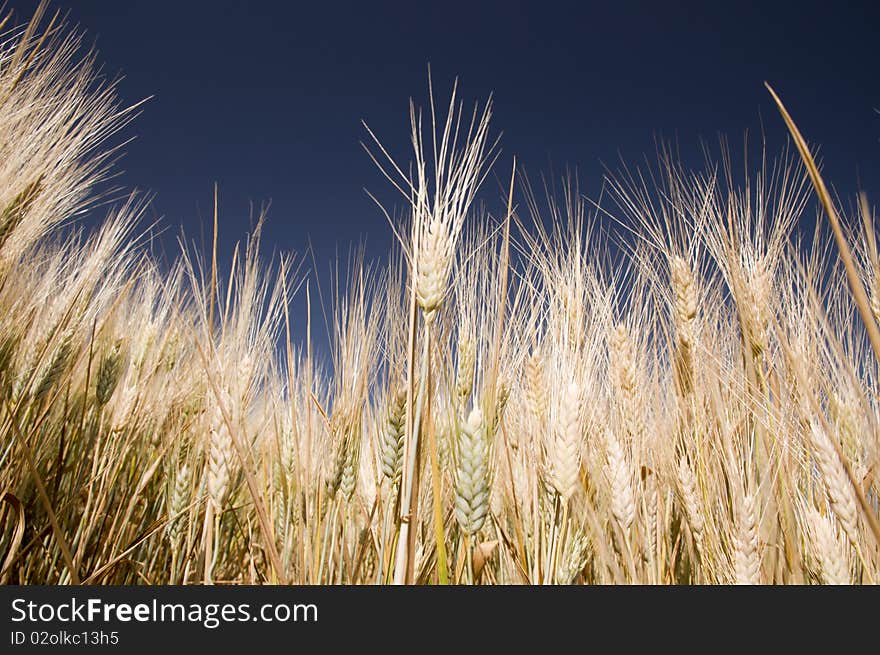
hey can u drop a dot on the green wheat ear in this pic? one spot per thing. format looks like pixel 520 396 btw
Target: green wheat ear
pixel 15 211
pixel 7 350
pixel 108 374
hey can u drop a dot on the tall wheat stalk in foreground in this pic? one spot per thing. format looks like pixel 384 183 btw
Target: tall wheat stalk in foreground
pixel 684 395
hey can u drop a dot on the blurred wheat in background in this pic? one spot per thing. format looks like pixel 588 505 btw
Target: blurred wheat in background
pixel 687 398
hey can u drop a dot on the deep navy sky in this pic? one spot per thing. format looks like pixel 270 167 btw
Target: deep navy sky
pixel 267 97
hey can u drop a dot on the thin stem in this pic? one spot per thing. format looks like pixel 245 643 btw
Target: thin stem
pixel 409 473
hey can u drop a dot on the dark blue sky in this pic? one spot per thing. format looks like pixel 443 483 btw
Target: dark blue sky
pixel 267 97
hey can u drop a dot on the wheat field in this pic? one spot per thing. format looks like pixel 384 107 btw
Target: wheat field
pixel 678 389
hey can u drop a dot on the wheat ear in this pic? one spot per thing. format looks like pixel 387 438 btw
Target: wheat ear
pixel 692 506
pixel 564 450
pixel 685 299
pixel 392 437
pixel 623 360
pixel 472 474
pixel 619 473
pixel 747 559
pixel 464 377
pixel 837 486
pixel 828 548
pixel 536 387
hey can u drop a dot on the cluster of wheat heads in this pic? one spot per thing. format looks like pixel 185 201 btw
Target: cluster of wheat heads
pixel 511 400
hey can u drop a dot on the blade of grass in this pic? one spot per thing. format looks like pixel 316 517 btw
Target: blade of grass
pixel 855 283
pixel 44 497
